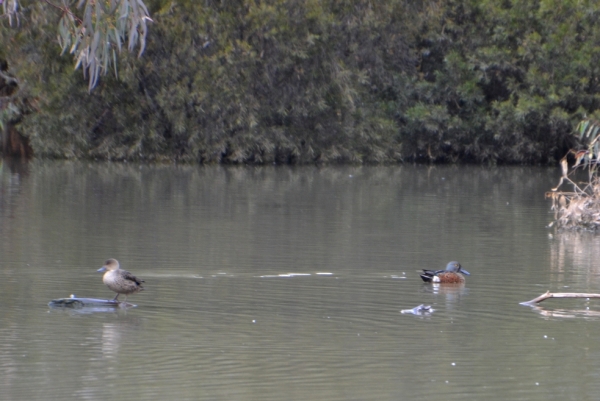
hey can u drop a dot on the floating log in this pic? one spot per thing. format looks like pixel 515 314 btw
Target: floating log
pixel 75 302
pixel 549 294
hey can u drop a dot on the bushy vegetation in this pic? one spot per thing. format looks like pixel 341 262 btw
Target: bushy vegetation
pixel 290 81
pixel 579 208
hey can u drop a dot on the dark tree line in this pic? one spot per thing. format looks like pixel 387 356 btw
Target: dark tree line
pixel 290 81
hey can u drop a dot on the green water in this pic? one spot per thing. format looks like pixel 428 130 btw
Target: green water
pixel 279 283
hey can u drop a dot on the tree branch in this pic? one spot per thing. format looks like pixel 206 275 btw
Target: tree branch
pixel 549 294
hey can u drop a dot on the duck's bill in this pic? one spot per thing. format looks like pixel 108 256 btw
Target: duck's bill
pixel 102 269
pixel 463 271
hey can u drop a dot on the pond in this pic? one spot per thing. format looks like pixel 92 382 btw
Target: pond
pixel 287 283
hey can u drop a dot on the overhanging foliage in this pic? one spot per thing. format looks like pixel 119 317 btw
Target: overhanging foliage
pixel 93 31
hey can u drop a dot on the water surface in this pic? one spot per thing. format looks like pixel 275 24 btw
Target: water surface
pixel 279 283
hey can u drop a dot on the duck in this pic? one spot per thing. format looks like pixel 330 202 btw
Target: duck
pixel 119 280
pixel 453 274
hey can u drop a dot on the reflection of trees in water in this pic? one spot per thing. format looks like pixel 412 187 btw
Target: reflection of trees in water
pixel 12 173
pixel 205 210
pixel 575 254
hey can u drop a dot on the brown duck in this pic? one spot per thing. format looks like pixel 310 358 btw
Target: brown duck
pixel 452 275
pixel 119 280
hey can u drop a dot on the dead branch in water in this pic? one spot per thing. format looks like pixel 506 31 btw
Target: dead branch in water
pixel 549 294
pixel 580 208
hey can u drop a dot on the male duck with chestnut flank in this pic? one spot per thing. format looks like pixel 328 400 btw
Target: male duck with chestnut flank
pixel 452 275
pixel 119 280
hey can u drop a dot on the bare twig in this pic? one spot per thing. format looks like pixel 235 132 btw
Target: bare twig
pixel 549 294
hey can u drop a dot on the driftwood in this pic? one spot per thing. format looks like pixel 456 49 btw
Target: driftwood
pixel 549 294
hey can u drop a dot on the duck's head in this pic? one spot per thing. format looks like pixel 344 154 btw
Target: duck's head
pixel 109 265
pixel 456 268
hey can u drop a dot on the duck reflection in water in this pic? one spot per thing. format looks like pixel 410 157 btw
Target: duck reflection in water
pixel 453 274
pixel 119 280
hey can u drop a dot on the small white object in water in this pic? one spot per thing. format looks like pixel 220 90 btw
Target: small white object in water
pixel 419 310
pixel 253 321
pixel 453 363
pixel 324 274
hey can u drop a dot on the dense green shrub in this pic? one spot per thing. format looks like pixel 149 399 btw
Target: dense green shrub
pixel 290 81
pixel 503 81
